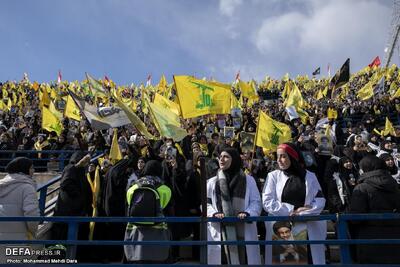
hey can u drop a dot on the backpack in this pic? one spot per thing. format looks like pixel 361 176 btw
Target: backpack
pixel 144 199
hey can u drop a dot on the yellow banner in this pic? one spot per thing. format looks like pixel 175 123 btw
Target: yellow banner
pixel 271 133
pixel 198 97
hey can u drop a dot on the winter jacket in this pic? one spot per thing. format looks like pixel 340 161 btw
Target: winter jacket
pixel 17 198
pixel 377 192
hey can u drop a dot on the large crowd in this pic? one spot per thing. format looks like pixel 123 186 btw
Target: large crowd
pixel 356 170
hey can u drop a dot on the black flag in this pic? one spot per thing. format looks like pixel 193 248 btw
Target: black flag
pixel 342 76
pixel 317 71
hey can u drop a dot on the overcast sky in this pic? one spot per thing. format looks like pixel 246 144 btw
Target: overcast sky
pixel 129 39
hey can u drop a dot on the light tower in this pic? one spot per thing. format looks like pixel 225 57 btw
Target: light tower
pixel 394 31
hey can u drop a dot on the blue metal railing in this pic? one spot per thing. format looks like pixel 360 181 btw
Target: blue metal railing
pixel 44 192
pixel 39 163
pixel 343 238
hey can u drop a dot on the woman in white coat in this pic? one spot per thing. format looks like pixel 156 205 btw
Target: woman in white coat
pixel 232 193
pixel 293 191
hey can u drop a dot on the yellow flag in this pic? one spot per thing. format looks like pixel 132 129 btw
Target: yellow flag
pixel 366 92
pixel 162 85
pixel 389 130
pixel 286 90
pixel 35 86
pixel 332 113
pixel 96 86
pixel 95 186
pixel 325 91
pixel 5 93
pixel 44 97
pixel 167 122
pixel 50 122
pixel 2 105
pixel 397 94
pixel 168 91
pixel 53 109
pixel 133 105
pixel 14 98
pixel 271 133
pixel 9 104
pixel 53 93
pixel 345 91
pixel 285 77
pixel 139 125
pixel 115 152
pixel 234 102
pixel 295 99
pixel 199 97
pixel 166 103
pixel 71 109
pixel 252 101
pixel 247 90
pixel 145 99
pixel 319 95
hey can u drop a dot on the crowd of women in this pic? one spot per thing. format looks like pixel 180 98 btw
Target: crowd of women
pixel 358 173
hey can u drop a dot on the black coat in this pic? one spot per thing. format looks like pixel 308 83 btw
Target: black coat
pixel 113 203
pixel 114 191
pixel 75 195
pixel 334 200
pixel 74 199
pixel 377 192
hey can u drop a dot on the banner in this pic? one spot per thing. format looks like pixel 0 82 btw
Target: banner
pixel 198 97
pixel 101 118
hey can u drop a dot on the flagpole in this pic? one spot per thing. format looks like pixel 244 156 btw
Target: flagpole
pixel 255 139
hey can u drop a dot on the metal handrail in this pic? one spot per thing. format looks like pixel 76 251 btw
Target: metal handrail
pixel 342 219
pixel 61 156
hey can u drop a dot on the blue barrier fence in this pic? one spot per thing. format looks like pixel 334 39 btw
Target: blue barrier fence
pixel 44 160
pixel 343 238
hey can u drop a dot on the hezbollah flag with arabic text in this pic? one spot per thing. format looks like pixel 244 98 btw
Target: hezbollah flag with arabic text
pixel 50 122
pixel 271 133
pixel 71 109
pixel 198 97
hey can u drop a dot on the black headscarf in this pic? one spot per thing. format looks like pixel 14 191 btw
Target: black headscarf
pixel 382 146
pixel 372 163
pixel 152 168
pixel 235 177
pixel 385 156
pixel 236 163
pixel 296 164
pixel 19 165
pixel 294 191
pixel 342 161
